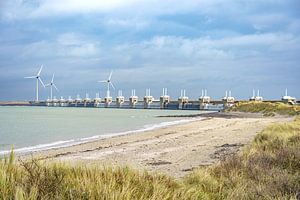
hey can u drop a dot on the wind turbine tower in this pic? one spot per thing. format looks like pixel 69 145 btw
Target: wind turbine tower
pixel 108 98
pixel 52 84
pixel 38 79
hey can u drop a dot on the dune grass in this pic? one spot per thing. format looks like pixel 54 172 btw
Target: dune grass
pixel 35 180
pixel 268 168
pixel 267 108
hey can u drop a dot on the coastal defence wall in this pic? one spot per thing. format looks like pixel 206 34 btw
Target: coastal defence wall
pixel 213 105
pixel 172 105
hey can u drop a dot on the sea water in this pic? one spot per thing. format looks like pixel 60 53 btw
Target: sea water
pixel 32 128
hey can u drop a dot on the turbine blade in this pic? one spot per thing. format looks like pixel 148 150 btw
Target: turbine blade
pixel 112 85
pixel 102 81
pixel 47 85
pixel 30 77
pixel 55 87
pixel 52 78
pixel 110 75
pixel 40 70
pixel 41 81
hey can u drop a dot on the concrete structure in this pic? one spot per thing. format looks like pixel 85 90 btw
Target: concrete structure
pixel 164 102
pixel 120 99
pixel 253 96
pixel 55 102
pixel 164 99
pixel 257 97
pixel 49 102
pixel 97 100
pixel 70 100
pixel 288 99
pixel 62 102
pixel 182 100
pixel 204 100
pixel 107 101
pixel 86 100
pixel 133 99
pixel 228 101
pixel 77 100
pixel 148 99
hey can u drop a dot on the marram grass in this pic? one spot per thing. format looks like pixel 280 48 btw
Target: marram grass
pixel 267 108
pixel 35 180
pixel 268 168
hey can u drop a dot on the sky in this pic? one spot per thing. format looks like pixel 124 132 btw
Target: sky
pixel 236 45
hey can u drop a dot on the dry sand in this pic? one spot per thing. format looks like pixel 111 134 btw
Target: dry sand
pixel 174 150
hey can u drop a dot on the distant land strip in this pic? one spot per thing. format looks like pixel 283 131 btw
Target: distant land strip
pixel 14 103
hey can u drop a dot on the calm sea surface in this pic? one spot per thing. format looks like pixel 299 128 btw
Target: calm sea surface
pixel 36 128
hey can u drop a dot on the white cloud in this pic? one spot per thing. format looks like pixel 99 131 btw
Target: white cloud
pixel 205 48
pixel 135 23
pixel 69 39
pixel 66 45
pixel 52 8
pixel 160 50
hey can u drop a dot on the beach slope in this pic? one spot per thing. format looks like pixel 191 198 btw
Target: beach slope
pixel 174 150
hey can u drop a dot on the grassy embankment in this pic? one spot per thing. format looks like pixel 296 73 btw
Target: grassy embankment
pixel 268 168
pixel 267 108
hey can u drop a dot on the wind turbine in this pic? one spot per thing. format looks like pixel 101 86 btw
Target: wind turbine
pixel 109 83
pixel 51 84
pixel 38 78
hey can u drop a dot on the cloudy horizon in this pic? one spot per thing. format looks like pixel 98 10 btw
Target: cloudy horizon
pixel 218 45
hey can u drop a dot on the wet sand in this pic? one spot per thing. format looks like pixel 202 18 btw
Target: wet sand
pixel 174 150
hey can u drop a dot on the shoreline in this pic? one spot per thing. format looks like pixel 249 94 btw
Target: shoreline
pixel 173 150
pixel 23 151
pixel 77 141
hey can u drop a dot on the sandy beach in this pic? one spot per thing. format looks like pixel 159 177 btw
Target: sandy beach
pixel 173 150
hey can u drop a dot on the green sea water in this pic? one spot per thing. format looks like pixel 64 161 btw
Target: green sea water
pixel 35 128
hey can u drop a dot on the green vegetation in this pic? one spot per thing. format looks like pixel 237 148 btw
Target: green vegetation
pixel 267 108
pixel 269 168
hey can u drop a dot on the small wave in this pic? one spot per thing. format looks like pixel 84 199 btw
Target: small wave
pixel 72 142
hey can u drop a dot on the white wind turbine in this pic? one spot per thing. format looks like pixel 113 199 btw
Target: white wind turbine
pixel 109 83
pixel 52 84
pixel 38 78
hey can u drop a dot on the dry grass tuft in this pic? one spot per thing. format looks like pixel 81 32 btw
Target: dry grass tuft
pixel 36 180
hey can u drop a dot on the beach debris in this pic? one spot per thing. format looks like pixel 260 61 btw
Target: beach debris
pixel 159 162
